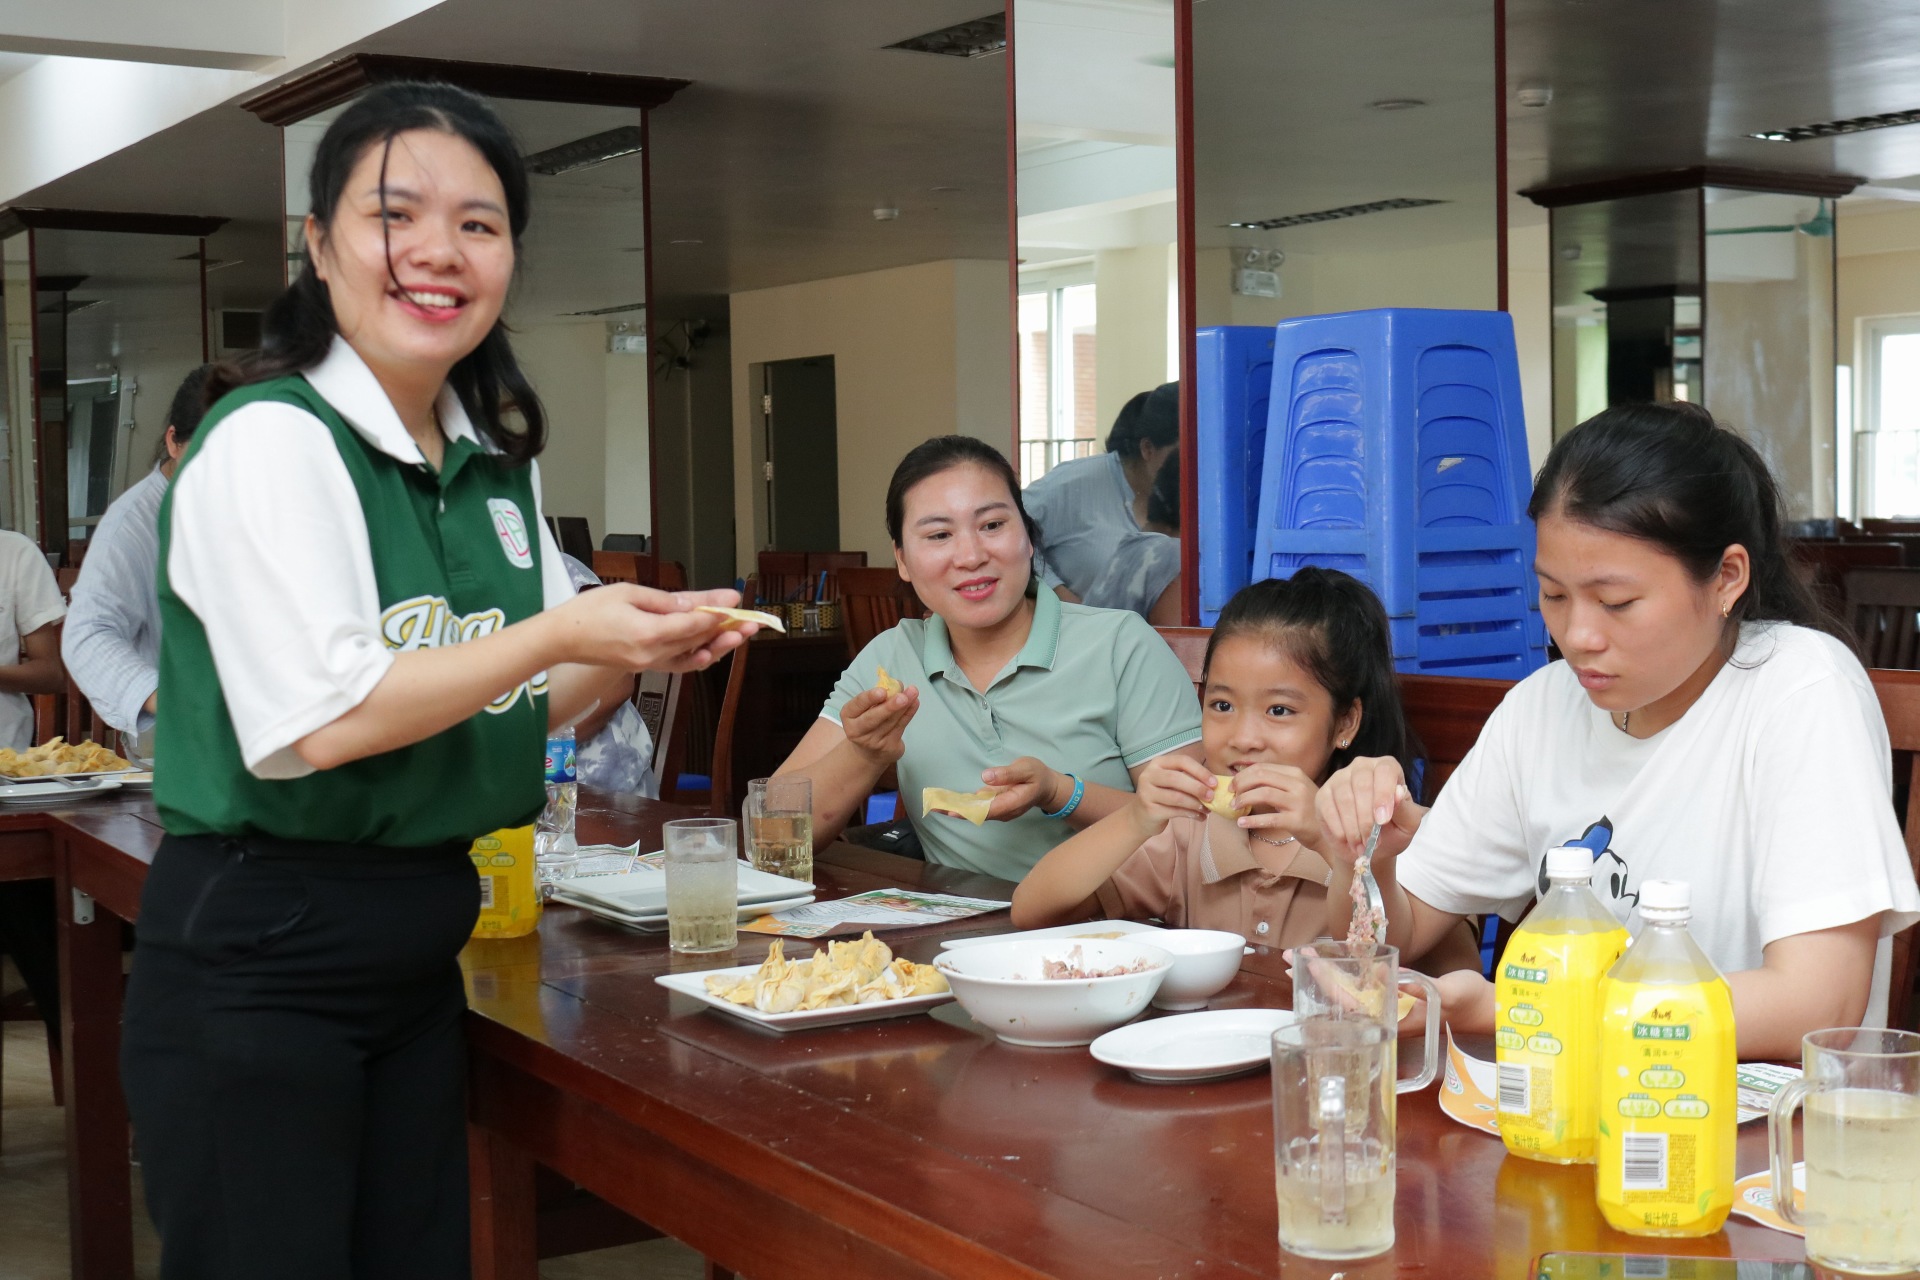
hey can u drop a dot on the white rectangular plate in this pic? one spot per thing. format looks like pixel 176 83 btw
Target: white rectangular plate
pixel 1085 929
pixel 139 781
pixel 695 985
pixel 657 920
pixel 6 781
pixel 40 791
pixel 643 891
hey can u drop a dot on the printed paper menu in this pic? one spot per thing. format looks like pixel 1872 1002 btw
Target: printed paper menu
pixel 875 909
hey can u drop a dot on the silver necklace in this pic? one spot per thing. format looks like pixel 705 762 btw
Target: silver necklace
pixel 1625 716
pixel 1278 844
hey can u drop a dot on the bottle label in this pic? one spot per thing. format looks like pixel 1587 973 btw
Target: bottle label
pixel 1667 1124
pixel 1545 1041
pixel 560 761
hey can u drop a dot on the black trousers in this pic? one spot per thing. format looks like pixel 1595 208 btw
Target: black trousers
pixel 294 1061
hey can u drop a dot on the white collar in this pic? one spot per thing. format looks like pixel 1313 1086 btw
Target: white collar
pixel 345 382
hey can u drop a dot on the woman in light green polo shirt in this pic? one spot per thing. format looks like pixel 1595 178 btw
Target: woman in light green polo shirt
pixel 1056 705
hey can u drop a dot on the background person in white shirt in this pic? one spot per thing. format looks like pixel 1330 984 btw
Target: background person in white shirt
pixel 111 643
pixel 1699 728
pixel 30 611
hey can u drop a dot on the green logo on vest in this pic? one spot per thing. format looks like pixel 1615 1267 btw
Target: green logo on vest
pixel 512 530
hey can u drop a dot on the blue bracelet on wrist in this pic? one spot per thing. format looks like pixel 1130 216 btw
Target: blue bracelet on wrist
pixel 1073 801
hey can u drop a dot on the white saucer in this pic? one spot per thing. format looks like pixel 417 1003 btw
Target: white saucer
pixel 1193 1046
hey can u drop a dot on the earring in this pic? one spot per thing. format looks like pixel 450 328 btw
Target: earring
pixel 1726 608
pixel 1342 744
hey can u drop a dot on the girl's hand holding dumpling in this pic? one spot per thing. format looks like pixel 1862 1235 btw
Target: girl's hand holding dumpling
pixel 1367 791
pixel 1171 786
pixel 1283 802
pixel 875 722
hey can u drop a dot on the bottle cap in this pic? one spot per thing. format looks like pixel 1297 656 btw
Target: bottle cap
pixel 1570 862
pixel 1668 897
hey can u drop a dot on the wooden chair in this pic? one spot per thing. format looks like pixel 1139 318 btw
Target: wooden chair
pixel 782 575
pixel 831 563
pixel 1446 714
pixel 729 784
pixel 1825 562
pixel 1189 644
pixel 872 601
pixel 1899 693
pixel 1882 608
pixel 64 579
pixel 672 575
pixel 1874 526
pixel 625 566
pixel 573 535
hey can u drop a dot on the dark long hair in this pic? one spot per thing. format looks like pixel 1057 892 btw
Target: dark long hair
pixel 943 453
pixel 1668 474
pixel 299 327
pixel 1152 417
pixel 1335 628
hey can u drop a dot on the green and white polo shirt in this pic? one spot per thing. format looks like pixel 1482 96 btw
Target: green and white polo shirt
pixel 303 543
pixel 1093 692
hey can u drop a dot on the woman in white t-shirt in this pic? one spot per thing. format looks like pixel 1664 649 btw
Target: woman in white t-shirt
pixel 1699 728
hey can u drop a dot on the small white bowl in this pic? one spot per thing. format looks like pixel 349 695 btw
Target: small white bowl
pixel 1204 962
pixel 1000 985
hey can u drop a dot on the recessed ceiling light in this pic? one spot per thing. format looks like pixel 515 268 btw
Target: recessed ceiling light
pixel 1397 104
pixel 686 242
pixel 974 39
pixel 1333 215
pixel 584 153
pixel 1835 128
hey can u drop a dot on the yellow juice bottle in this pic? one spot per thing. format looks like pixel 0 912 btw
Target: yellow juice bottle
pixel 509 892
pixel 1667 1061
pixel 1547 1024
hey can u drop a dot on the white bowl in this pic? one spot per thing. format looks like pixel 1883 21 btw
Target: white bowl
pixel 1001 987
pixel 1204 962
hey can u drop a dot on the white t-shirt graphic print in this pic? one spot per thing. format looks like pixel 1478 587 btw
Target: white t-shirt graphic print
pixel 1772 797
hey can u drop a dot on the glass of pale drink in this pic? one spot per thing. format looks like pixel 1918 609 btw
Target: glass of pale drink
pixel 779 818
pixel 703 883
pixel 1333 1112
pixel 1861 1130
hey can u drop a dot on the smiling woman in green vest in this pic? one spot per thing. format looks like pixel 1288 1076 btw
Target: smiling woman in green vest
pixel 368 633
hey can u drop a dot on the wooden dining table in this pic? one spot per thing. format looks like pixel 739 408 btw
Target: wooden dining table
pixel 913 1146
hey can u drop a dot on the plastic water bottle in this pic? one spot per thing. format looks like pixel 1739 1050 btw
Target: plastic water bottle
pixel 553 833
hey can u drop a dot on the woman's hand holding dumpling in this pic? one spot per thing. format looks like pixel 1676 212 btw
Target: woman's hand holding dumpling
pixel 875 722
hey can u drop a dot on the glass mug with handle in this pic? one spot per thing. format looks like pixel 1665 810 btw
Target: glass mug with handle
pixel 1333 1137
pixel 1861 1130
pixel 1340 980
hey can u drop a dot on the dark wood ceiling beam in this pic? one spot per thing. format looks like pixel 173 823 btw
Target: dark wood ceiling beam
pixel 14 219
pixel 1663 181
pixel 338 81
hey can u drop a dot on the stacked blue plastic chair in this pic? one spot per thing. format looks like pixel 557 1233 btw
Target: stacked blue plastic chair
pixel 1396 451
pixel 1234 380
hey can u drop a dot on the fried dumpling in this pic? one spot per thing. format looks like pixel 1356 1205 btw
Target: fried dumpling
pixel 887 682
pixel 971 805
pixel 1222 802
pixel 735 617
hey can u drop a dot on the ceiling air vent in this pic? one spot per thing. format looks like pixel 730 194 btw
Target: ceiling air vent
pixel 1333 215
pixel 975 39
pixel 1834 128
pixel 584 153
pixel 610 311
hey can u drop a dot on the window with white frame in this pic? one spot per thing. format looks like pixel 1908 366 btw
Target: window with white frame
pixel 1887 391
pixel 1057 369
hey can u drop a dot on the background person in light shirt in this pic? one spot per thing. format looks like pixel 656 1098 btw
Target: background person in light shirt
pixel 111 643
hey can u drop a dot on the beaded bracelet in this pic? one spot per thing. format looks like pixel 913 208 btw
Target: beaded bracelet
pixel 1073 801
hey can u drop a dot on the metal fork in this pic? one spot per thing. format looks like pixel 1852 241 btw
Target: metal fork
pixel 1375 902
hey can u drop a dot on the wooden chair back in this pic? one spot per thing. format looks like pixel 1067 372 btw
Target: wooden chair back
pixel 1825 562
pixel 1882 608
pixel 672 575
pixel 64 579
pixel 1899 694
pixel 625 566
pixel 782 575
pixel 729 783
pixel 1873 526
pixel 1189 644
pixel 831 563
pixel 573 535
pixel 69 715
pixel 872 601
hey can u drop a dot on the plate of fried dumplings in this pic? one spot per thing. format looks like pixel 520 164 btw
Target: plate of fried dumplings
pixel 851 981
pixel 58 758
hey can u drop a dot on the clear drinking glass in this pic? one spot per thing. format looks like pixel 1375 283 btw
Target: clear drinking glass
pixel 703 883
pixel 779 818
pixel 1333 1114
pixel 137 748
pixel 1861 1130
pixel 1340 980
